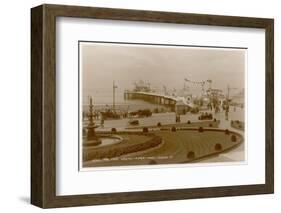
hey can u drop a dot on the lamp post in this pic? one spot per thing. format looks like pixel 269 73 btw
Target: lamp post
pixel 113 105
pixel 91 134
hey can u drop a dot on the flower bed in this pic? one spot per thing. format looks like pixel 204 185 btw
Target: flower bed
pixel 122 149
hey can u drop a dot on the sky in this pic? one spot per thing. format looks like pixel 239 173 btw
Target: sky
pixel 103 63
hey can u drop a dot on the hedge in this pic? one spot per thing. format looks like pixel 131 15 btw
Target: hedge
pixel 226 132
pixel 218 147
pixel 190 155
pixel 145 129
pixel 233 138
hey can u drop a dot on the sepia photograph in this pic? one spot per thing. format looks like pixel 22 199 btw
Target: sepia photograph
pixel 160 104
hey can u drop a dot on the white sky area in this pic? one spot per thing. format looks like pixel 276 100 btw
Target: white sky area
pixel 103 63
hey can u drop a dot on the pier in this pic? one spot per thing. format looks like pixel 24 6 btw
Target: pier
pixel 176 104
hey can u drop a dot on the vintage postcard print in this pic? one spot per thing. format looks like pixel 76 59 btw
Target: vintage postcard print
pixel 152 104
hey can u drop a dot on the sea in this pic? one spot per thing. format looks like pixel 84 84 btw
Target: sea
pixel 104 100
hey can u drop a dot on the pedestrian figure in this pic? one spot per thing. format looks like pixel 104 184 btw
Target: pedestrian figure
pixel 226 112
pixel 102 121
pixel 177 118
pixel 217 109
pixel 83 116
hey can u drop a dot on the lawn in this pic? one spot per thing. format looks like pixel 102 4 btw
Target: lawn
pixel 179 143
pixel 175 147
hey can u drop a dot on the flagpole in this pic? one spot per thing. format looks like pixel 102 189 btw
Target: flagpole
pixel 113 106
